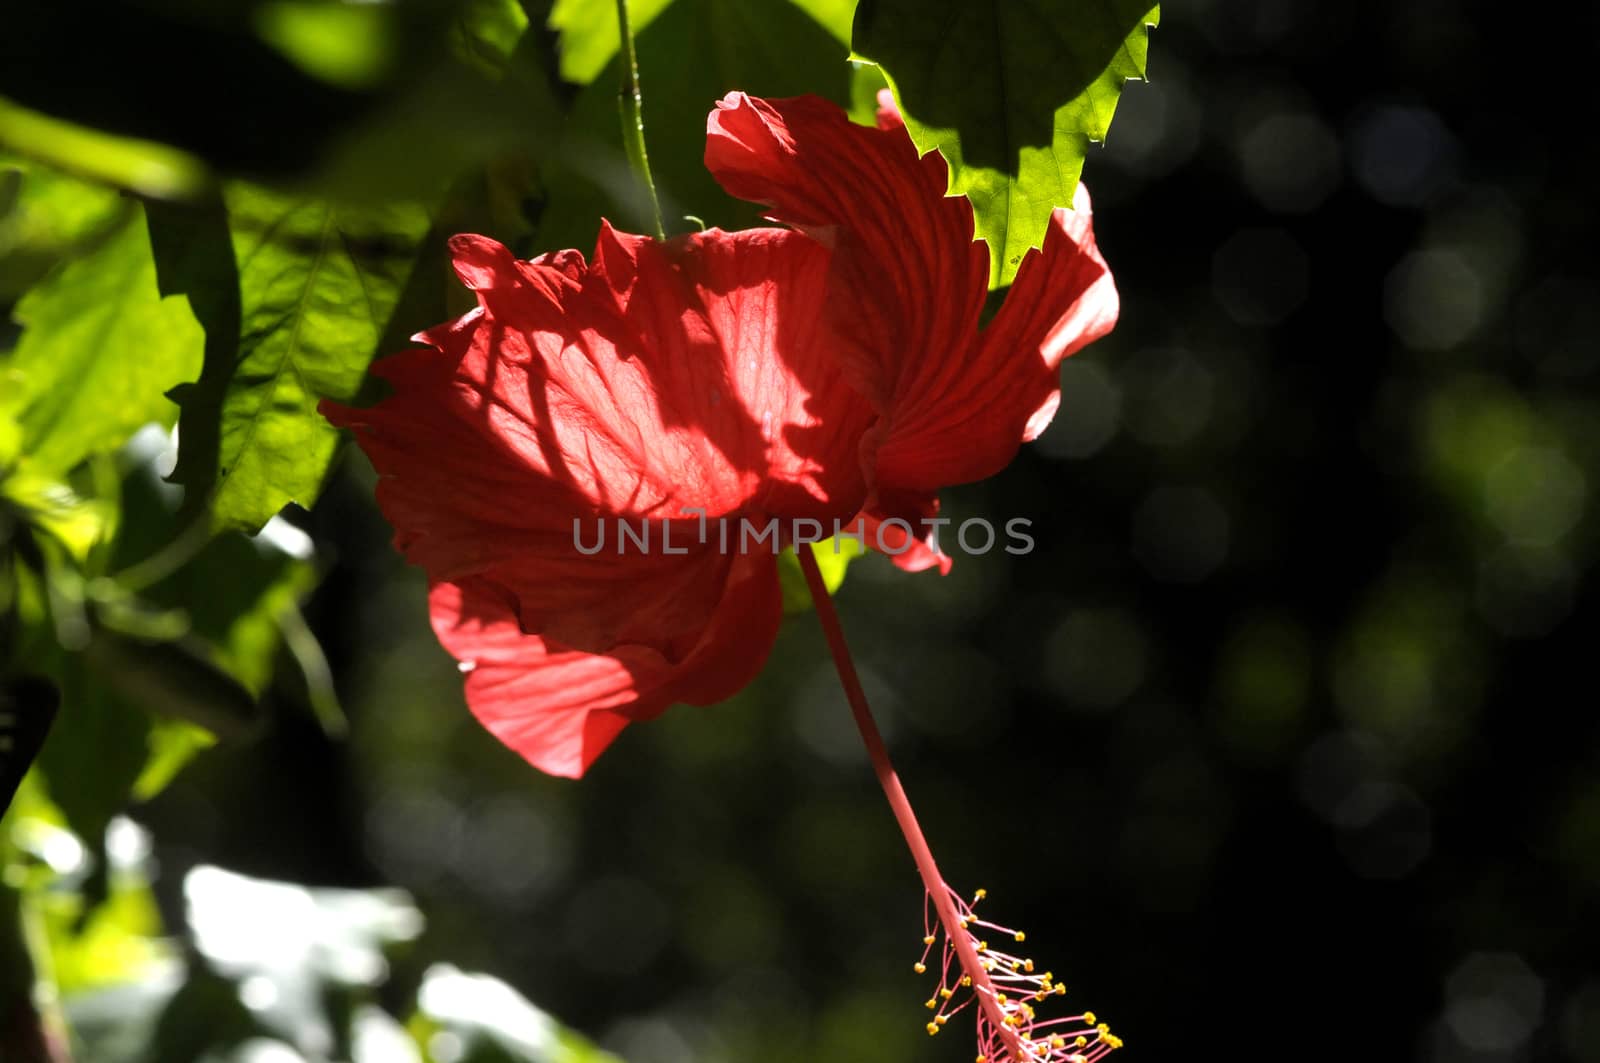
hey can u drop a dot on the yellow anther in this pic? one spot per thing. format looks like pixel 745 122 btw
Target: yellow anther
pixel 966 981
pixel 965 922
pixel 988 965
pixel 1047 978
pixel 920 968
pixel 983 946
pixel 1058 1041
pixel 928 940
pixel 1061 988
pixel 1027 965
pixel 931 1004
pixel 1089 1018
pixel 932 1028
pixel 1113 1040
pixel 1000 998
pixel 947 993
pixel 982 1059
pixel 1020 936
pixel 980 895
pixel 942 1019
pixel 1080 1041
pixel 1102 1029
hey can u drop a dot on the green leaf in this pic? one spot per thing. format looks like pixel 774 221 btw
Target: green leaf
pixel 1011 94
pixel 486 33
pixel 46 216
pixel 172 744
pixel 345 44
pixel 232 591
pixel 589 34
pixel 690 54
pixel 232 595
pixel 95 752
pixel 589 38
pixel 295 296
pixel 79 524
pixel 99 346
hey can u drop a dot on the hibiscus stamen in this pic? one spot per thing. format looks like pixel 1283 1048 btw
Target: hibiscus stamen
pixel 973 966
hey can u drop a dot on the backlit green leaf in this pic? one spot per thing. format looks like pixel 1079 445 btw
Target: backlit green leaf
pixel 79 524
pixel 588 29
pixel 295 296
pixel 589 38
pixel 1011 93
pixel 172 744
pixel 99 347
pixel 46 216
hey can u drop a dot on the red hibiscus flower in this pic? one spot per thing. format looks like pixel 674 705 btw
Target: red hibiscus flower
pixel 808 374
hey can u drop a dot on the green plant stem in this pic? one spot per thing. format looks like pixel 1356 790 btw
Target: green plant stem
pixel 185 547
pixel 32 1027
pixel 630 102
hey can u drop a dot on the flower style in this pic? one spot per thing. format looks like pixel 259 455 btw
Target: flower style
pixel 829 371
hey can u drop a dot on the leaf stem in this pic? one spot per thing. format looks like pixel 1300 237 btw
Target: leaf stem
pixel 182 549
pixel 630 102
pixel 938 891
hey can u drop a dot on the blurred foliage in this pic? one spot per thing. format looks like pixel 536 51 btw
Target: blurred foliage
pixel 45 217
pixel 253 970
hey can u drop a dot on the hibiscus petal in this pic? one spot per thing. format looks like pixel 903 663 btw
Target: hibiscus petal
pixel 909 280
pixel 898 524
pixel 1063 298
pixel 910 285
pixel 658 380
pixel 560 708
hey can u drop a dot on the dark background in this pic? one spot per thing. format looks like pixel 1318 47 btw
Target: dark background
pixel 1280 745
